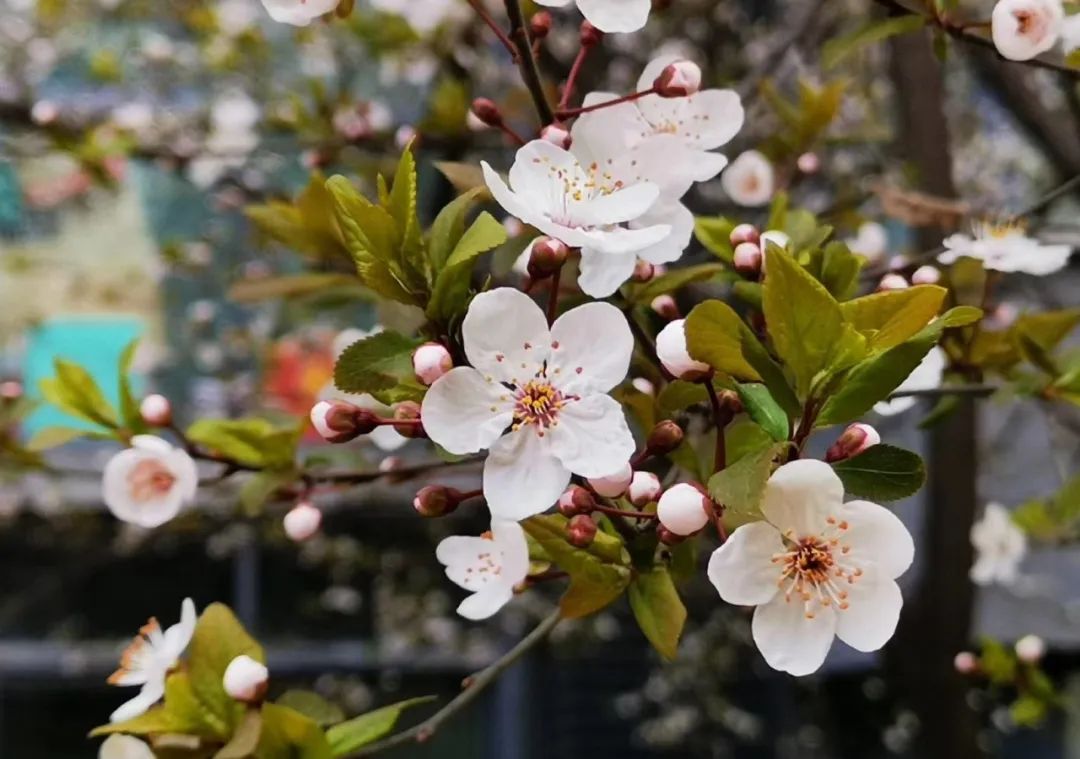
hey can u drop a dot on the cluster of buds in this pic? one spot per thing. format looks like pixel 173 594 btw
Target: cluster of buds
pixel 547 256
pixel 678 79
pixel 854 440
pixel 747 256
pixel 438 500
pixel 576 500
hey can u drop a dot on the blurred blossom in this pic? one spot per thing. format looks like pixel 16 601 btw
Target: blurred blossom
pixel 235 17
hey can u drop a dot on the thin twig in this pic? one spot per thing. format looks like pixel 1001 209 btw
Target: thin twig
pixel 492 24
pixel 530 71
pixel 475 685
pixel 979 391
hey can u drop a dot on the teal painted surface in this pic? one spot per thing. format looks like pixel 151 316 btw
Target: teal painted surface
pixel 95 343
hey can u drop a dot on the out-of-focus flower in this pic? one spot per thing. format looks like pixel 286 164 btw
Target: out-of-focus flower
pixel 1000 546
pixel 1024 29
pixel 148 483
pixel 1006 248
pixel 609 15
pixel 1030 649
pixel 926 376
pixel 149 659
pixel 302 521
pixel 871 240
pixel 548 386
pixel 298 12
pixel 124 747
pixel 815 568
pixel 489 567
pixel 750 179
pixel 425 16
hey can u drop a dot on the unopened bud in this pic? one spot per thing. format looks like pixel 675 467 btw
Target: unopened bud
pixel 475 123
pixel 340 422
pixel 730 402
pixel 745 233
pixel 391 464
pixel 590 35
pixel 664 438
pixel 576 500
pixel 643 385
pixel 246 679
pixel 408 412
pixel 156 410
pixel 892 282
pixel 11 390
pixel 644 489
pixel 673 354
pixel 614 484
pixel 678 80
pixel 854 440
pixel 1030 649
pixel 966 663
pixel 302 521
pixel 487 112
pixel 926 275
pixel 682 509
pixel 643 271
pixel 431 361
pixel 540 25
pixel 547 257
pixel 747 259
pixel 665 306
pixel 581 531
pixel 557 134
pixel 437 500
pixel 667 537
pixel 809 163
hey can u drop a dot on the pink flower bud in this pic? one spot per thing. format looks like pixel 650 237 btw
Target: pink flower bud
pixel 340 422
pixel 667 537
pixel 1030 649
pixel 664 438
pixel 581 531
pixel 892 282
pixel 666 306
pixel 926 275
pixel 576 500
pixel 809 163
pixel 302 521
pixel 674 355
pixel 487 112
pixel 431 361
pixel 679 79
pixel 475 123
pixel 548 255
pixel 246 679
pixel 747 259
pixel 156 410
pixel 745 233
pixel 854 440
pixel 644 488
pixel 966 663
pixel 437 500
pixel 409 412
pixel 11 390
pixel 557 134
pixel 614 484
pixel 540 25
pixel 682 509
pixel 643 271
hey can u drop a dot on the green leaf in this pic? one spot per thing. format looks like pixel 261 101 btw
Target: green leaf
pixel 804 321
pixel 73 390
pixel 380 364
pixel 448 228
pixel 219 638
pixel 715 334
pixel 182 712
pixel 261 486
pixel 129 407
pixel 253 442
pixel 313 706
pixel 403 203
pixel 53 437
pixel 670 282
pixel 835 266
pixel 245 740
pixel 288 734
pixel 839 49
pixel 679 394
pixel 882 473
pixel 889 318
pixel 763 409
pixel 714 233
pixel 740 487
pixel 452 284
pixel 658 609
pixel 306 226
pixel 286 286
pixel 368 728
pixel 598 574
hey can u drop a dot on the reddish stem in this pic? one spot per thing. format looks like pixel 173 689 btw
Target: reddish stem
pixel 568 113
pixel 571 80
pixel 494 26
pixel 613 511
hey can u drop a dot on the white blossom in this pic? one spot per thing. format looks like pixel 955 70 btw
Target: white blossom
pixel 121 746
pixel 1024 29
pixel 926 376
pixel 815 568
pixel 425 16
pixel 148 483
pixel 298 12
pixel 488 566
pixel 149 659
pixel 535 397
pixel 750 180
pixel 1000 546
pixel 871 240
pixel 614 484
pixel 609 15
pixel 682 509
pixel 1006 248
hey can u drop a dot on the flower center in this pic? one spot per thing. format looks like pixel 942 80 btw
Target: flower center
pixel 150 479
pixel 537 403
pixel 816 569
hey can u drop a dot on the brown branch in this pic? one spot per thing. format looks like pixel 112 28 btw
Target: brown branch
pixel 530 71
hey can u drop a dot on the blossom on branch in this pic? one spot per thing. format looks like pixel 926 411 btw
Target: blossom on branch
pixel 1000 546
pixel 609 15
pixel 489 566
pixel 148 483
pixel 815 568
pixel 1006 248
pixel 536 397
pixel 750 180
pixel 1025 29
pixel 149 659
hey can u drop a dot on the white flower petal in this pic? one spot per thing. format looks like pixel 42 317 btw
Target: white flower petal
pixel 151 693
pixel 877 536
pixel 591 438
pixel 178 636
pixel 487 602
pixel 521 477
pixel 510 539
pixel 789 641
pixel 601 274
pixel 872 613
pixel 460 554
pixel 595 345
pixel 926 376
pixel 465 413
pixel 506 335
pixel 622 205
pixel 801 495
pixel 120 746
pixel 680 219
pixel 616 15
pixel 742 570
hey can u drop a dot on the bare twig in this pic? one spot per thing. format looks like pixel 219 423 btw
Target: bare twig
pixel 530 71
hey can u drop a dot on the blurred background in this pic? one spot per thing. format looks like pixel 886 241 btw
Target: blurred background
pixel 149 156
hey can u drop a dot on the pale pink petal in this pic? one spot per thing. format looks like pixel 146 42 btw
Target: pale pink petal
pixel 521 477
pixel 591 438
pixel 801 495
pixel 789 640
pixel 878 537
pixel 464 412
pixel 742 569
pixel 873 611
pixel 506 335
pixel 591 347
